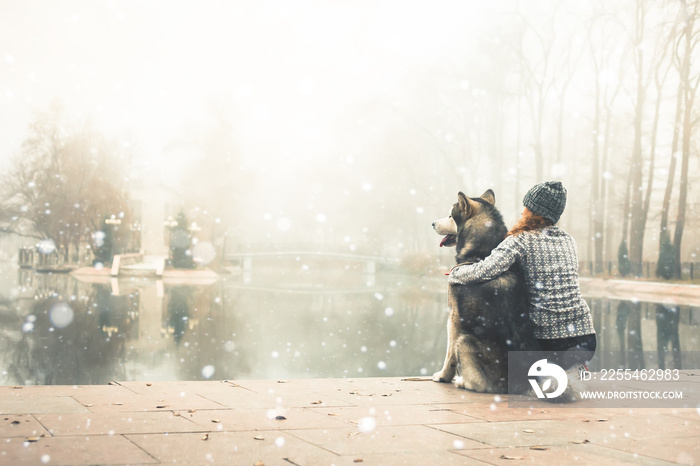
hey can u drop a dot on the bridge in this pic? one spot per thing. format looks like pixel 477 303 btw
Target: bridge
pixel 247 254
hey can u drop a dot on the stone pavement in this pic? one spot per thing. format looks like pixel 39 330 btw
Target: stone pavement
pixel 376 421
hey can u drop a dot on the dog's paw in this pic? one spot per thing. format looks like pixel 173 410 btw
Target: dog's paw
pixel 440 378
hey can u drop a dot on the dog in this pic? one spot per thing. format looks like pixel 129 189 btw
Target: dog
pixel 486 319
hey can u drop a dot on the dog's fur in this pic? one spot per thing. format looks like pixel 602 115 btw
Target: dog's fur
pixel 486 319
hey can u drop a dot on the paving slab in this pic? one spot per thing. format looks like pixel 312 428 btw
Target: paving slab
pixel 374 440
pixel 339 392
pixel 254 419
pixel 268 447
pixel 40 404
pixel 495 412
pixel 377 421
pixel 92 424
pixel 618 430
pixel 560 455
pixel 684 450
pixel 274 394
pixel 112 389
pixel 398 415
pixel 20 425
pixel 108 403
pixel 102 449
pixel 447 458
pixel 178 387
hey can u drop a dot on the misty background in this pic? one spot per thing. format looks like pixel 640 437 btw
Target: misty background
pixel 351 124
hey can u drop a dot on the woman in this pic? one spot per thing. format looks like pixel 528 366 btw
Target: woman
pixel 548 258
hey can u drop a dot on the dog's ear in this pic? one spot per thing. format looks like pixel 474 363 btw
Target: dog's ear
pixel 463 203
pixel 489 197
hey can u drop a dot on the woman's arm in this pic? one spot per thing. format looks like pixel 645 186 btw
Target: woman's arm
pixel 499 261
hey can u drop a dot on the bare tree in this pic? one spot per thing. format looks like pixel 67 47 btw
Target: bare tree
pixel 600 38
pixel 645 73
pixel 64 183
pixel 664 264
pixel 637 215
pixel 538 74
pixel 690 79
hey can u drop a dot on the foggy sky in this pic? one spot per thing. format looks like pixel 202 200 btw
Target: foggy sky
pixel 323 99
pixel 285 72
pixel 152 67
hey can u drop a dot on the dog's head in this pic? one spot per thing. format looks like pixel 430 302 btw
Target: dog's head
pixel 464 209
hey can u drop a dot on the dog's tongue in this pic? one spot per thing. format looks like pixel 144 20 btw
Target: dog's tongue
pixel 444 240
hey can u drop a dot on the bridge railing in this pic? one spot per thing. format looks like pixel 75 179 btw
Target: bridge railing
pixel 305 247
pixel 689 270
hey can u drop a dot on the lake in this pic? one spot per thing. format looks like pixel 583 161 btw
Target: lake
pixel 293 321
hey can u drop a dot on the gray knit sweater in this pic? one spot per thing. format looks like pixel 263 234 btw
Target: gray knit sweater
pixel 550 264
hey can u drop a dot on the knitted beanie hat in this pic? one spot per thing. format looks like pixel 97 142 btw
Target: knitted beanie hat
pixel 547 199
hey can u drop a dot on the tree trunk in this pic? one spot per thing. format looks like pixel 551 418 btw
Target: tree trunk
pixel 665 267
pixel 640 206
pixel 672 165
pixel 596 204
pixel 689 91
pixel 636 238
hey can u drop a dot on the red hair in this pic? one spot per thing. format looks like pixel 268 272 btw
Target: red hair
pixel 529 222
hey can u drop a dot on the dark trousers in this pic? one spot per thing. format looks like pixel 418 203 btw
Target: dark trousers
pixel 570 352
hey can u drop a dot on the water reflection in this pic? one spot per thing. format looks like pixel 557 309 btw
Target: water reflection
pixel 632 328
pixel 59 330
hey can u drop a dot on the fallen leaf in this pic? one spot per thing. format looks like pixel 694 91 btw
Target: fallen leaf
pixel 539 448
pixel 358 460
pixel 32 439
pixel 89 405
pixel 319 402
pixel 283 381
pixel 357 392
pixel 191 410
pixel 216 421
pixel 161 406
pixel 206 437
pixel 581 442
pixel 281 418
pixel 528 431
pixel 258 437
pixel 602 420
pixel 175 413
pixel 15 422
pixel 117 403
pixel 17 387
pixel 387 394
pixel 149 384
pixel 333 414
pixel 506 457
